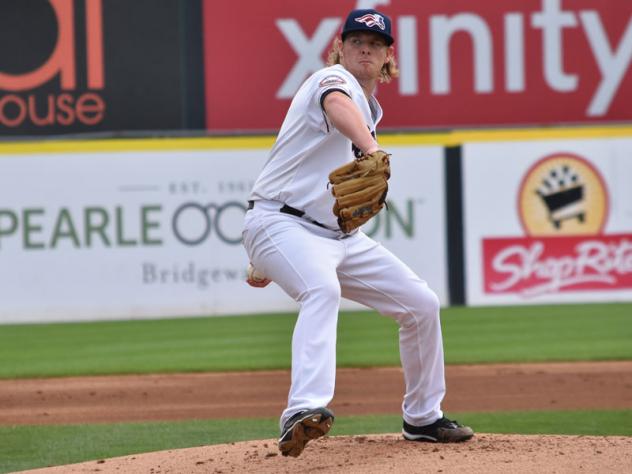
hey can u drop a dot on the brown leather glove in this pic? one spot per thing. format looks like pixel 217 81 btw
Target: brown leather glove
pixel 360 189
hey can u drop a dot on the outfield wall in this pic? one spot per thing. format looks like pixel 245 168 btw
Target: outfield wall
pixel 94 231
pixel 118 229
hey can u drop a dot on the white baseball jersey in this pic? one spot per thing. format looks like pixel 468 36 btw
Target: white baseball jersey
pixel 308 147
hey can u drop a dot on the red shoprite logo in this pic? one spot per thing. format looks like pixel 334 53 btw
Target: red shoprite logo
pixel 69 107
pixel 563 208
pixel 533 267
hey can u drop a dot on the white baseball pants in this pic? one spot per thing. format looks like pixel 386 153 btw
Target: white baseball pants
pixel 316 267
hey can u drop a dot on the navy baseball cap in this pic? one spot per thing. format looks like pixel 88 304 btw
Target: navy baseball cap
pixel 368 20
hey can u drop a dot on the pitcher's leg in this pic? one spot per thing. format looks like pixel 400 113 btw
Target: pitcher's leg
pixel 314 348
pixel 371 275
pixel 421 352
pixel 304 266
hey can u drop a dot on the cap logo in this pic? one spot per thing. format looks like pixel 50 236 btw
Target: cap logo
pixel 371 20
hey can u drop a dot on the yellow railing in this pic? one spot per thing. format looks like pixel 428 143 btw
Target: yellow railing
pixel 446 138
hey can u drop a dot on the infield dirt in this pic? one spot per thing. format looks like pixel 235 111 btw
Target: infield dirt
pixel 557 386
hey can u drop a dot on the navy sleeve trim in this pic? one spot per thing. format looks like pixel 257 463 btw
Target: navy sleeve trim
pixel 322 101
pixel 327 92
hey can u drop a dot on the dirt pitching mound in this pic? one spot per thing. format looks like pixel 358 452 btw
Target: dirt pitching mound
pixel 485 453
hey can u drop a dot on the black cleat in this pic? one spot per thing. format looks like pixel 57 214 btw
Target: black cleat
pixel 303 427
pixel 441 431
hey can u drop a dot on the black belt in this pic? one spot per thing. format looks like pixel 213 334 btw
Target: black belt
pixel 292 211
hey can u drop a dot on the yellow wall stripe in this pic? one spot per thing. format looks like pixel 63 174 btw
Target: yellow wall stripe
pixel 135 144
pixel 457 137
pixel 263 142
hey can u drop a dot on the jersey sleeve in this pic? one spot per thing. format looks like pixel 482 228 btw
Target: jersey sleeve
pixel 331 81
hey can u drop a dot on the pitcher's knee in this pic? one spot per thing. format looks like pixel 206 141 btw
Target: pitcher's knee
pixel 329 291
pixel 423 307
pixel 431 304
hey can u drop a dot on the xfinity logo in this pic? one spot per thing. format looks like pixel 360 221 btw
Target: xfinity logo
pixel 508 46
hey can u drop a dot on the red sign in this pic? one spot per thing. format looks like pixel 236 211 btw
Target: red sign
pixel 536 266
pixel 462 63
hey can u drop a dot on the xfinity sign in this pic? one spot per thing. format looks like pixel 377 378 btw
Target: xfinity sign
pixel 612 59
pixel 461 63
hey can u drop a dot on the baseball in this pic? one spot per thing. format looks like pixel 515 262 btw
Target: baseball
pixel 254 274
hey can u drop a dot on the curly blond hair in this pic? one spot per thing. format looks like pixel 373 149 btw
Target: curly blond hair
pixel 388 72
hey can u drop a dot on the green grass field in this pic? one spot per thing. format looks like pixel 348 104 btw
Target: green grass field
pixel 472 335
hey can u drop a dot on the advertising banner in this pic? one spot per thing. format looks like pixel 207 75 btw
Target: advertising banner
pixel 462 63
pixel 548 221
pixel 138 234
pixel 74 66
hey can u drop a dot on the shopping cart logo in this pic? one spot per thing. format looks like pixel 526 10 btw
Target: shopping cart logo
pixel 563 194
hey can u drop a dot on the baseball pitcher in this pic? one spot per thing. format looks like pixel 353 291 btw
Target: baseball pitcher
pixel 326 175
